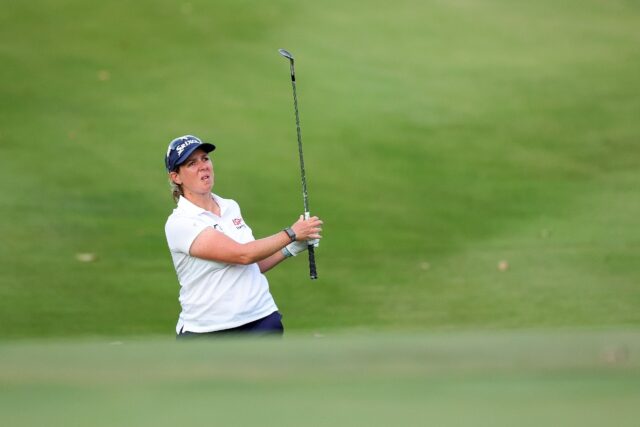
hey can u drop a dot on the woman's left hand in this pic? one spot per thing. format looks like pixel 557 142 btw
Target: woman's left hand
pixel 307 229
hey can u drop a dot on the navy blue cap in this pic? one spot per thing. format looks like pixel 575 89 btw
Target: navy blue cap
pixel 181 148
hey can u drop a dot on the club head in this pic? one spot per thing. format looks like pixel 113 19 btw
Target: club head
pixel 286 54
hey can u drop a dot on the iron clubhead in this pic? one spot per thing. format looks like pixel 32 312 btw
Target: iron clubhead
pixel 286 54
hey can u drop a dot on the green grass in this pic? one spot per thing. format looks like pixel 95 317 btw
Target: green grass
pixel 529 378
pixel 440 138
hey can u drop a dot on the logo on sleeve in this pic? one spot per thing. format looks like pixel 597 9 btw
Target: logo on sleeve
pixel 238 222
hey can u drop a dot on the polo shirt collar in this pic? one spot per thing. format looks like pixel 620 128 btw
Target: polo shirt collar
pixel 188 207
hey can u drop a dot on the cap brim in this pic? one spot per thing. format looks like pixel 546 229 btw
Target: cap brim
pixel 191 148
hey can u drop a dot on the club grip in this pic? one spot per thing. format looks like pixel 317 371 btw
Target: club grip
pixel 312 263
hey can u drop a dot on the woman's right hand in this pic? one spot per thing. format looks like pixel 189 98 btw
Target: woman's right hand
pixel 307 229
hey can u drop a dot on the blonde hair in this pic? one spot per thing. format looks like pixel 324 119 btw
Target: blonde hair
pixel 176 190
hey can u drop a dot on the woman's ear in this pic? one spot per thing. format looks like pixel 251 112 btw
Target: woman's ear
pixel 174 177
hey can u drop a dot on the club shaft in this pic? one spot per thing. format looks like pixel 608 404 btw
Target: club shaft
pixel 305 196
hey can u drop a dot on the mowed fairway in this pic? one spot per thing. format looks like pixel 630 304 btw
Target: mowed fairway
pixel 441 139
pixel 529 378
pixel 477 165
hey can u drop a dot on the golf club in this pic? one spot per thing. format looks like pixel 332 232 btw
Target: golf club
pixel 312 259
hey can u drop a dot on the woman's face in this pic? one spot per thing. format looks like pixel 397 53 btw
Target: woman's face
pixel 195 174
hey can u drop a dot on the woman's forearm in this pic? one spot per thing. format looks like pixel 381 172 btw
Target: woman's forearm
pixel 270 262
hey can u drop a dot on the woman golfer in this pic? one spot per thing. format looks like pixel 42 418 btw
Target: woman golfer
pixel 219 263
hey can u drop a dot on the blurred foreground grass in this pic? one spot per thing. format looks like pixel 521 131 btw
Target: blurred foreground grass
pixel 530 378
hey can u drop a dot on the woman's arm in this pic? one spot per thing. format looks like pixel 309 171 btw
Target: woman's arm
pixel 268 263
pixel 292 249
pixel 216 246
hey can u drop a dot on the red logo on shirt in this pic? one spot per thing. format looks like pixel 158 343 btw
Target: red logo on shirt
pixel 237 222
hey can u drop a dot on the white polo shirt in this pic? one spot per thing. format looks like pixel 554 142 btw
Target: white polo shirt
pixel 215 295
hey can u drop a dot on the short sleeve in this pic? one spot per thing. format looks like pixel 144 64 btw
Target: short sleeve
pixel 182 231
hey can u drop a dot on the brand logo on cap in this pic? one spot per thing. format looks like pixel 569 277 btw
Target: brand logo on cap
pixel 180 148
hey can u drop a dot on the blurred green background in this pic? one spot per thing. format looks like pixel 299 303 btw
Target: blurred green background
pixel 475 162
